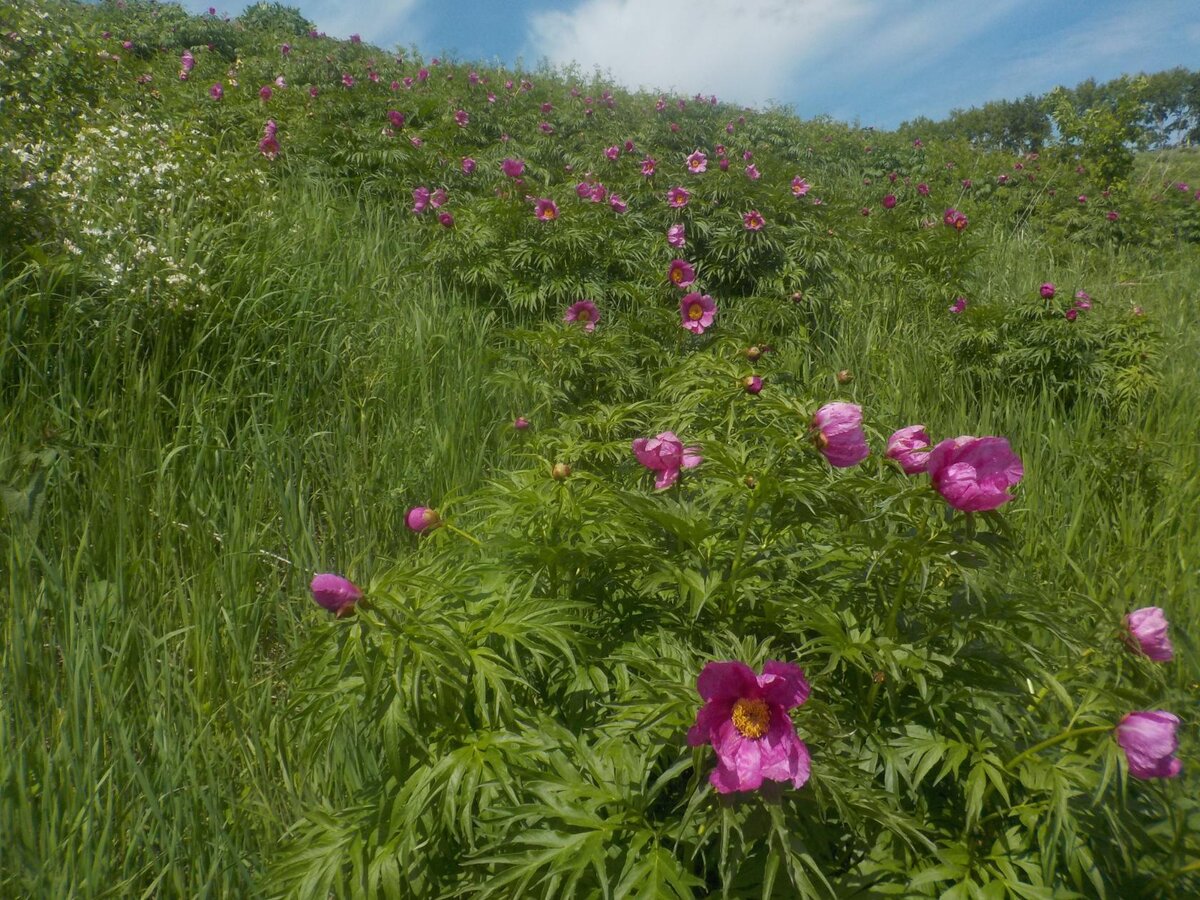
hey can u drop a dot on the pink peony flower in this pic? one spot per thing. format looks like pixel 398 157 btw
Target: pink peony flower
pixel 697 163
pixel 269 147
pixel 723 164
pixel 1081 199
pixel 973 473
pixel 584 311
pixel 612 152
pixel 959 304
pixel 217 91
pixel 187 62
pixel 745 718
pixel 618 205
pixel 1071 315
pixel 1147 633
pixel 396 118
pixel 752 384
pixel 264 93
pixel 439 198
pixel 1112 215
pixel 677 197
pixel 446 219
pixel 889 201
pixel 839 434
pixel 753 220
pixel 800 187
pixel 1149 742
pixel 1047 290
pixel 680 273
pixel 666 455
pixel 966 182
pixel 648 165
pixel 923 189
pixel 910 447
pixel 468 165
pixel 513 168
pixel 676 237
pixel 520 423
pixel 335 593
pixel 752 172
pixel 422 518
pixel 461 118
pixel 955 219
pixel 420 200
pixel 347 80
pixel 697 311
pixel 545 210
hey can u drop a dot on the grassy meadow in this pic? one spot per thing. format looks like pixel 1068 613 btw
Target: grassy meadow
pixel 227 367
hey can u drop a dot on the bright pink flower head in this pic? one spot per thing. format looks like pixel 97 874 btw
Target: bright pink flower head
pixel 513 168
pixel 335 593
pixel 347 80
pixel 676 237
pixel 422 518
pixel 612 152
pixel 420 200
pixel 745 718
pixel 678 197
pixel 666 455
pixel 521 423
pixel 1147 633
pixel 1071 315
pixel 1112 215
pixel 1083 300
pixel 974 474
pixel 840 436
pixel 697 312
pixel 217 91
pixel 955 219
pixel 800 187
pixel 545 210
pixel 461 118
pixel 596 192
pixel 396 118
pixel 752 384
pixel 264 93
pixel 187 62
pixel 923 189
pixel 723 164
pixel 889 201
pixel 959 304
pixel 752 172
pixel 648 165
pixel 269 147
pixel 910 447
pixel 618 205
pixel 446 219
pixel 438 198
pixel 468 165
pixel 697 163
pixel 1082 199
pixel 1047 290
pixel 680 273
pixel 585 312
pixel 753 220
pixel 1149 742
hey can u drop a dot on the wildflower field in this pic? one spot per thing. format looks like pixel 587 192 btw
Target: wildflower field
pixel 422 479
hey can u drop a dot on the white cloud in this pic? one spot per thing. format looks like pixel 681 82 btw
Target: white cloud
pixel 377 22
pixel 746 51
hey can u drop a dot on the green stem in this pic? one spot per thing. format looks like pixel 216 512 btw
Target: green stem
pixel 735 570
pixel 1057 739
pixel 462 533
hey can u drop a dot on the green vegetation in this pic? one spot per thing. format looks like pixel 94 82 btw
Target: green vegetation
pixel 227 365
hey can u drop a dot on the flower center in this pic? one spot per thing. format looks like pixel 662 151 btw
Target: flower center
pixel 695 311
pixel 677 275
pixel 583 315
pixel 751 717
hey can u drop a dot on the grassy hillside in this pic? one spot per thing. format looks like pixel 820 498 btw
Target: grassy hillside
pixel 245 333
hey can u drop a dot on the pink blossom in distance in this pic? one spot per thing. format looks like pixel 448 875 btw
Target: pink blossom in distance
pixel 800 187
pixel 697 312
pixel 545 210
pixel 1149 741
pixel 1146 632
pixel 677 197
pixel 513 168
pixel 585 312
pixel 680 273
pixel 753 220
pixel 676 237
pixel 839 434
pixel 959 304
pixel 335 593
pixel 666 455
pixel 746 719
pixel 697 163
pixel 421 519
pixel 910 447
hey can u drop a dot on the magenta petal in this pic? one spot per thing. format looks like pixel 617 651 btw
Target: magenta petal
pixel 740 759
pixel 1148 628
pixel 783 756
pixel 783 684
pixel 728 680
pixel 666 478
pixel 708 720
pixel 1149 741
pixel 691 457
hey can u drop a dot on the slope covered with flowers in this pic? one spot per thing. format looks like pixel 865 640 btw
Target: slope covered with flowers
pixel 632 574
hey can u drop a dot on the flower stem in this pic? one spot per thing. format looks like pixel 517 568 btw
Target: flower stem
pixel 1057 739
pixel 462 533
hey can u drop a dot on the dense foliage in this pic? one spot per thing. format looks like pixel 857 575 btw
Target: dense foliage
pixel 572 398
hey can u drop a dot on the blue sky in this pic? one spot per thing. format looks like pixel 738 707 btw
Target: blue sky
pixel 877 61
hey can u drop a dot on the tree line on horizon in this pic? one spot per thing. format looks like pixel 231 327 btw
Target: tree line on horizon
pixel 1165 110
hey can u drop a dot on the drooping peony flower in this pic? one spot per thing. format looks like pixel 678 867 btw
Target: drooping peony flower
pixel 697 312
pixel 1149 742
pixel 753 220
pixel 800 187
pixel 678 197
pixel 335 593
pixel 187 62
pixel 545 210
pixel 974 473
pixel 1147 633
pixel 513 168
pixel 584 311
pixel 680 273
pixel 910 447
pixel 422 518
pixel 438 198
pixel 676 237
pixel 1047 290
pixel 839 434
pixel 697 163
pixel 959 304
pixel 745 718
pixel 1083 300
pixel 666 455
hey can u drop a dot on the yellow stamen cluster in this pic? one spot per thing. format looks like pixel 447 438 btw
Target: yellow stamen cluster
pixel 695 312
pixel 751 718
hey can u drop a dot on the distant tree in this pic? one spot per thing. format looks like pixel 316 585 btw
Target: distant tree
pixel 1106 134
pixel 275 18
